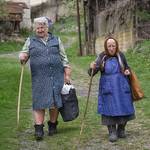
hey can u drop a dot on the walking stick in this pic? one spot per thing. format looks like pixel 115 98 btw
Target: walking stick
pixel 19 93
pixel 86 106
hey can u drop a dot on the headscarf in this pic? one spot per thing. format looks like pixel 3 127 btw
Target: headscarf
pixel 105 45
pixel 40 20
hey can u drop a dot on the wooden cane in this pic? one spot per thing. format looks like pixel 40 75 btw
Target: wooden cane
pixel 19 94
pixel 85 112
pixel 87 102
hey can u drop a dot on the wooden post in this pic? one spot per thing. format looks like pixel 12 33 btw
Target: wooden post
pixel 79 31
pixel 85 26
pixel 85 21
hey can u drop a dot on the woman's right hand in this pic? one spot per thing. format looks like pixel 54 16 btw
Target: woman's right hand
pixel 93 65
pixel 23 57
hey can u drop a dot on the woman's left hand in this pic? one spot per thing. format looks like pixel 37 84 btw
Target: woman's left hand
pixel 67 79
pixel 127 72
pixel 67 74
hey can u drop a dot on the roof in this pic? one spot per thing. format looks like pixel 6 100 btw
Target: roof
pixel 15 7
pixel 14 11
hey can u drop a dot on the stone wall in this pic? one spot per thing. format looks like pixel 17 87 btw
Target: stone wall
pixel 54 9
pixel 117 20
pixel 125 39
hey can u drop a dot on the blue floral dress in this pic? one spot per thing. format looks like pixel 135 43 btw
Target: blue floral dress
pixel 47 73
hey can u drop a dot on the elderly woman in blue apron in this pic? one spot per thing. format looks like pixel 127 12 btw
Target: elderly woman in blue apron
pixel 114 99
pixel 49 70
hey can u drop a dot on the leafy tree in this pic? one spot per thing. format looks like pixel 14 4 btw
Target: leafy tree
pixel 2 8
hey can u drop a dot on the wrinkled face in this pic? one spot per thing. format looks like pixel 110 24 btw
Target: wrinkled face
pixel 111 46
pixel 41 30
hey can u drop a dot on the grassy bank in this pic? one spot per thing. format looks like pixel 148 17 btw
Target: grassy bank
pixel 9 81
pixel 10 46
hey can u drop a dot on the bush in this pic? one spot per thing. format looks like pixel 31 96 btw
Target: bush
pixel 25 32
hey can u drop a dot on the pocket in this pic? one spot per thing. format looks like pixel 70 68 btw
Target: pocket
pixel 126 86
pixel 106 88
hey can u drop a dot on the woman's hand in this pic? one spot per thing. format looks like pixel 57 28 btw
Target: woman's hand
pixel 67 74
pixel 67 79
pixel 23 57
pixel 93 65
pixel 127 72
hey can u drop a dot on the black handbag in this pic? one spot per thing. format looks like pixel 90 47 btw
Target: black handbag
pixel 70 109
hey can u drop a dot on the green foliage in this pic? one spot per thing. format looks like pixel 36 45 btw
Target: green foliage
pixel 25 32
pixel 143 47
pixel 65 26
pixel 143 15
pixel 2 8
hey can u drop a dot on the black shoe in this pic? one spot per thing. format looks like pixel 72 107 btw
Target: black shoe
pixel 52 128
pixel 112 133
pixel 121 131
pixel 39 132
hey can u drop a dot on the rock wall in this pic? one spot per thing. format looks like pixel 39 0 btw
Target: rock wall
pixel 117 20
pixel 54 9
pixel 126 20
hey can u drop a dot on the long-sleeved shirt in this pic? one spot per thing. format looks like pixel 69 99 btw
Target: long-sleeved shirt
pixel 63 55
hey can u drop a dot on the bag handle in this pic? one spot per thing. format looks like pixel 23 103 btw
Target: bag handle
pixel 120 62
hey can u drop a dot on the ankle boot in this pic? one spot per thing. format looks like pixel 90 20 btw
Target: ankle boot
pixel 52 128
pixel 121 131
pixel 112 133
pixel 39 132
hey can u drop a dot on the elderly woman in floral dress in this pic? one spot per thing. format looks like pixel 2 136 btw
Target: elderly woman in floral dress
pixel 49 70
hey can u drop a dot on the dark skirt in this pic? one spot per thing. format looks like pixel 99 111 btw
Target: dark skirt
pixel 109 120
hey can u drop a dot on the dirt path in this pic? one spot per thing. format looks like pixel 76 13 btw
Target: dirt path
pixel 137 139
pixel 10 55
pixel 138 132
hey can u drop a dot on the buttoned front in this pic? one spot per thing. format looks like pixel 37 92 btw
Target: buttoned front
pixel 47 72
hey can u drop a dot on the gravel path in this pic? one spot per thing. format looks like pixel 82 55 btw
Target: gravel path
pixel 10 55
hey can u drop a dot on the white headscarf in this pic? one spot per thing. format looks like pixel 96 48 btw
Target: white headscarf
pixel 40 20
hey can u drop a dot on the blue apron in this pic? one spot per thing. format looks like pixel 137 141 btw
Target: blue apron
pixel 114 97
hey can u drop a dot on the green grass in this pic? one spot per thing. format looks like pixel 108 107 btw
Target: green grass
pixel 10 46
pixel 144 48
pixel 9 75
pixel 143 15
pixel 140 63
